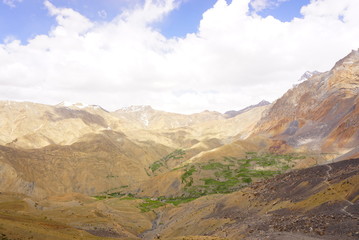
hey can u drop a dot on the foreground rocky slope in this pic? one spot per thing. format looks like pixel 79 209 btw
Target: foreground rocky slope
pixel 315 203
pixel 320 202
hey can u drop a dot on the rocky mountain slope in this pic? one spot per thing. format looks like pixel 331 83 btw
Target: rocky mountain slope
pixel 320 114
pixel 94 164
pixel 234 113
pixel 147 117
pixel 31 125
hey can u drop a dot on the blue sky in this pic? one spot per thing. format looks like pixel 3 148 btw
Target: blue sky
pixel 285 11
pixel 26 19
pixel 203 54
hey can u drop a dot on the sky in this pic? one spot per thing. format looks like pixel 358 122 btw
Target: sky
pixel 181 56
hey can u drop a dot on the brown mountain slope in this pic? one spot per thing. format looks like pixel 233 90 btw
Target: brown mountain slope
pixel 71 216
pixel 228 130
pixel 31 125
pixel 233 113
pixel 320 114
pixel 148 118
pixel 97 163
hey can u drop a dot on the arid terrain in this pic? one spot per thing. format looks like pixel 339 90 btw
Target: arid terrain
pixel 282 170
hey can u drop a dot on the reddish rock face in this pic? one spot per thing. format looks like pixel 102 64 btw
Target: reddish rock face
pixel 320 114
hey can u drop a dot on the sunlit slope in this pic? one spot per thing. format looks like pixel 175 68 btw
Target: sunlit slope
pixel 320 114
pixel 149 118
pixel 97 163
pixel 31 125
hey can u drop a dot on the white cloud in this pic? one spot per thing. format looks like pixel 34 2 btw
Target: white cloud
pixel 11 3
pixel 234 60
pixel 259 5
pixel 102 14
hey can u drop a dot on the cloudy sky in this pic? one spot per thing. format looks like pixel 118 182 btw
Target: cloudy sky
pixel 176 55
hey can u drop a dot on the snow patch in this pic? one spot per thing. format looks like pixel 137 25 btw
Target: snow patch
pixel 136 108
pixel 66 104
pixel 305 141
pixel 144 119
pixel 78 105
pixel 307 75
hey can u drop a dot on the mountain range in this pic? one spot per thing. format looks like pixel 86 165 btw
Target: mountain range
pixel 282 170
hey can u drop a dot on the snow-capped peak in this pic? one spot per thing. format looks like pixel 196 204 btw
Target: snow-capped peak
pixel 77 105
pixel 307 75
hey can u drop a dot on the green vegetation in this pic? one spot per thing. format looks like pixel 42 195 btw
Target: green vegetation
pixel 177 154
pixel 116 194
pixel 213 166
pixel 178 201
pixel 213 177
pixel 234 173
pixel 156 165
pixel 149 205
pixel 128 198
pixel 177 168
pixel 112 192
pixel 102 197
pixel 186 177
pixel 251 153
pixel 247 180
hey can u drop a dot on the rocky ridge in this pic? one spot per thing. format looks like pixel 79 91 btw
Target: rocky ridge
pixel 319 114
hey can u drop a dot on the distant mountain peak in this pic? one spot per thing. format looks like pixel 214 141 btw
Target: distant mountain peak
pixel 351 58
pixel 262 103
pixel 233 113
pixel 307 75
pixel 78 105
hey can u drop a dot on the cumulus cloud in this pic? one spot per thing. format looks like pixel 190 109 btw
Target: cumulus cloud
pixel 11 3
pixel 259 5
pixel 236 58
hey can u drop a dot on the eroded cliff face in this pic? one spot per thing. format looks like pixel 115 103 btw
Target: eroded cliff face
pixel 320 114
